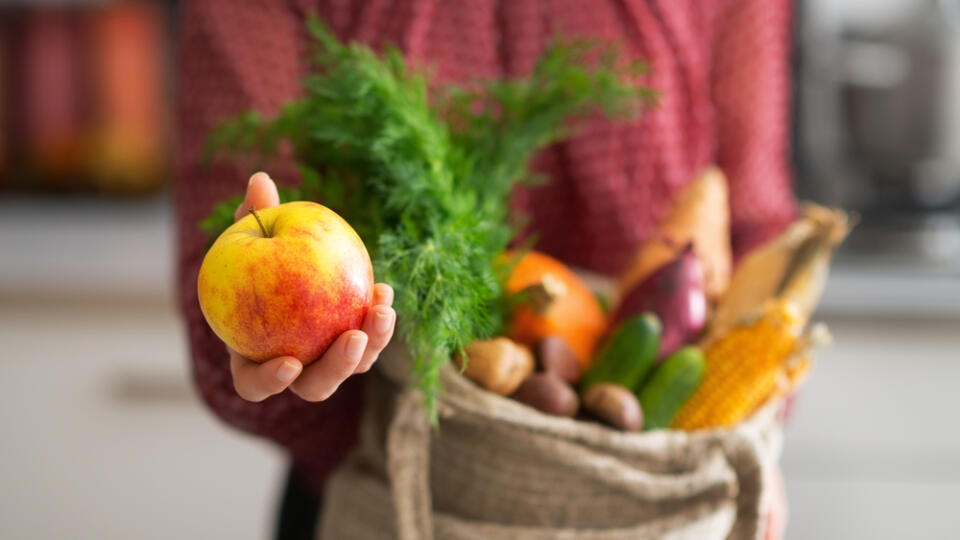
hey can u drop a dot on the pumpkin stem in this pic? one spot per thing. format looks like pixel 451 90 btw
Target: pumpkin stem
pixel 542 294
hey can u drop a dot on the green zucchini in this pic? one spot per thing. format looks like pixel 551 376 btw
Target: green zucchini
pixel 627 355
pixel 670 386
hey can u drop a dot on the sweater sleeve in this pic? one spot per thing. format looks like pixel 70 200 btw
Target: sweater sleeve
pixel 233 57
pixel 751 93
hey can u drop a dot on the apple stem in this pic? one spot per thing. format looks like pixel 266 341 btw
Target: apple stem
pixel 256 216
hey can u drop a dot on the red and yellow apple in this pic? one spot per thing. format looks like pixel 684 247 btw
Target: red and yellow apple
pixel 286 281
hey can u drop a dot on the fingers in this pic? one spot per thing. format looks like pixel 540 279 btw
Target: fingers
pixel 258 381
pixel 354 351
pixel 379 325
pixel 261 193
pixel 322 378
pixel 382 295
pixel 778 513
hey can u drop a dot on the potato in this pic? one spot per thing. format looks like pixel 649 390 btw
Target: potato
pixel 548 393
pixel 555 356
pixel 615 405
pixel 499 364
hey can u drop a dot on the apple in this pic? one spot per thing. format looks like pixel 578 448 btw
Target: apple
pixel 285 281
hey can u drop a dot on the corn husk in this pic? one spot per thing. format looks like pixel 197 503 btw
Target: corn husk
pixel 798 366
pixel 793 266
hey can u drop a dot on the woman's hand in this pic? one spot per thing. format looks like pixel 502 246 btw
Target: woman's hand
pixel 354 351
pixel 777 516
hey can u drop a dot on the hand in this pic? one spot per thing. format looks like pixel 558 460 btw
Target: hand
pixel 777 516
pixel 354 351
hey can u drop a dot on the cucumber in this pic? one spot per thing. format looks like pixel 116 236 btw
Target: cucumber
pixel 628 354
pixel 670 386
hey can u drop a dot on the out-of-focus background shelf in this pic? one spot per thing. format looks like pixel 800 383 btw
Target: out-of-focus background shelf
pixel 87 249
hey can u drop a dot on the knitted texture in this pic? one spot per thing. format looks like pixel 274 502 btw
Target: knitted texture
pixel 721 66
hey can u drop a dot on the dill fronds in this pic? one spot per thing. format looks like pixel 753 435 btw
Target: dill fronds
pixel 426 186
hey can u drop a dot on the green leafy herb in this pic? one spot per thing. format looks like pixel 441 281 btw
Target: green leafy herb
pixel 426 186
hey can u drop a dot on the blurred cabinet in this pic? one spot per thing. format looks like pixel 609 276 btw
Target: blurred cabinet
pixel 85 96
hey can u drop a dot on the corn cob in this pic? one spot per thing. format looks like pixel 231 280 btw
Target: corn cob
pixel 744 369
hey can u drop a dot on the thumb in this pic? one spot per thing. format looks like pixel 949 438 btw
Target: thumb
pixel 261 193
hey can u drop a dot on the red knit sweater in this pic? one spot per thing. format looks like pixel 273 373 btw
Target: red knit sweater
pixel 721 65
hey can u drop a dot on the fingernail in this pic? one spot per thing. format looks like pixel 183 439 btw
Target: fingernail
pixel 381 322
pixel 387 295
pixel 287 371
pixel 355 346
pixel 256 174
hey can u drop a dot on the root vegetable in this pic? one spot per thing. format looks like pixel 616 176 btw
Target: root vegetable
pixel 615 405
pixel 499 365
pixel 548 393
pixel 675 293
pixel 701 215
pixel 555 356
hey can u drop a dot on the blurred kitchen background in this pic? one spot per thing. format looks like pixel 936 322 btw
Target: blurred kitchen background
pixel 103 436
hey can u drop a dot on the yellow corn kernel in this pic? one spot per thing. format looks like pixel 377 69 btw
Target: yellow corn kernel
pixel 742 370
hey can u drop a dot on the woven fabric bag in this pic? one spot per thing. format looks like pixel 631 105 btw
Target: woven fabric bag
pixel 497 469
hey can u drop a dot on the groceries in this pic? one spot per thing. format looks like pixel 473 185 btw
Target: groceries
pixel 700 215
pixel 793 265
pixel 628 353
pixel 285 281
pixel 548 393
pixel 553 301
pixel 426 182
pixel 671 386
pixel 555 356
pixel 424 171
pixel 499 365
pixel 663 359
pixel 742 369
pixel 674 293
pixel 615 405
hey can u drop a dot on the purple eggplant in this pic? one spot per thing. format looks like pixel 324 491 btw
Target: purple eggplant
pixel 675 293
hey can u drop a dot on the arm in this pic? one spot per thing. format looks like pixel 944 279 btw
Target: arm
pixel 751 93
pixel 225 68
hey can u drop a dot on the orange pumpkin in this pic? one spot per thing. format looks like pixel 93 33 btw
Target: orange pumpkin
pixel 573 312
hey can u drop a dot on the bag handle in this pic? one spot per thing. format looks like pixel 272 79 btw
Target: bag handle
pixel 408 466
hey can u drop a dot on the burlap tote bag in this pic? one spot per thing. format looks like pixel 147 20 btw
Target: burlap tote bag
pixel 497 469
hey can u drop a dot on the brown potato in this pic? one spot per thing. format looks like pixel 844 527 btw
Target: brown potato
pixel 499 364
pixel 615 405
pixel 548 393
pixel 555 356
